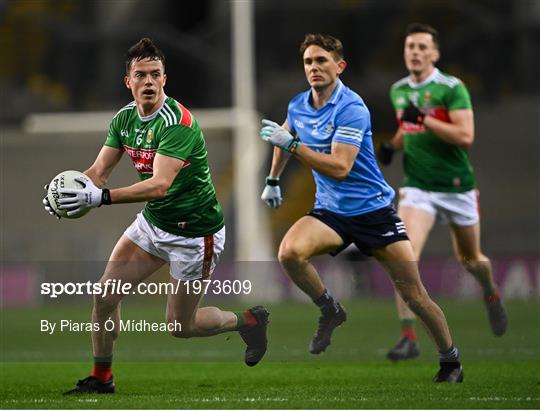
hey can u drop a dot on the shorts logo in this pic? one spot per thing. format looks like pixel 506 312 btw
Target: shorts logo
pixel 388 234
pixel 401 228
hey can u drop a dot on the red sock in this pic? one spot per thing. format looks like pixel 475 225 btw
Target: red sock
pixel 409 332
pixel 490 299
pixel 250 319
pixel 102 370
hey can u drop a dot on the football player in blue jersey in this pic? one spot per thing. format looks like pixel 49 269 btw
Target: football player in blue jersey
pixel 328 128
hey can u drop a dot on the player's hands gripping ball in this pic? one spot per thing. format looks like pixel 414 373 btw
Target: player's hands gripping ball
pixel 278 136
pixel 71 194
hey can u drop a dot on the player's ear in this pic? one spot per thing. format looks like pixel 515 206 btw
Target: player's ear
pixel 164 79
pixel 126 82
pixel 342 64
pixel 436 56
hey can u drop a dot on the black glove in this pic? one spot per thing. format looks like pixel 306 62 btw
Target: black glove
pixel 385 153
pixel 412 114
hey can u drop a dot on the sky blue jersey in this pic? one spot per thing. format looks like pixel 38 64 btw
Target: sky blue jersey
pixel 344 119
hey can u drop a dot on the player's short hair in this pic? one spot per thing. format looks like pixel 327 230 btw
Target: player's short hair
pixel 144 49
pixel 423 28
pixel 324 41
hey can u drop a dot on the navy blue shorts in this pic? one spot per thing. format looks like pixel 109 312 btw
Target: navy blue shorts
pixel 370 231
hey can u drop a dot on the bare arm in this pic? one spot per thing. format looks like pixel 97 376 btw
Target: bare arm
pixel 336 165
pixel 104 164
pixel 397 141
pixel 279 158
pixel 165 170
pixel 460 130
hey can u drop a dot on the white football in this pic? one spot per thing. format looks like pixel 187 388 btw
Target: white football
pixel 66 179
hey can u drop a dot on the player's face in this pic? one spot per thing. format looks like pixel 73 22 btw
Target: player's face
pixel 146 80
pixel 420 53
pixel 321 69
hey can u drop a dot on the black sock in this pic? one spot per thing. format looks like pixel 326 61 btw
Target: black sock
pixel 449 356
pixel 326 303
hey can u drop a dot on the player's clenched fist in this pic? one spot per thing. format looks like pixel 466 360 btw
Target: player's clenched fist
pixel 271 194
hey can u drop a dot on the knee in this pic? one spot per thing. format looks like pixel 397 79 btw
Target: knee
pixel 474 262
pixel 290 254
pixel 106 304
pixel 415 297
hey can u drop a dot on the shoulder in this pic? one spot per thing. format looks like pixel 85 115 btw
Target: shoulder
pixel 126 110
pixel 174 113
pixel 400 83
pixel 351 105
pixel 299 99
pixel 447 80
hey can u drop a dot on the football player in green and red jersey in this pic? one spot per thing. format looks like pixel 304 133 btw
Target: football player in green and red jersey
pixel 436 128
pixel 181 224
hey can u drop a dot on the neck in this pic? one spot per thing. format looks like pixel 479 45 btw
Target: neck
pixel 147 110
pixel 320 96
pixel 419 77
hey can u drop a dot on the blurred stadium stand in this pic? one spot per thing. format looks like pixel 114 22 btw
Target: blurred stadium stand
pixel 67 56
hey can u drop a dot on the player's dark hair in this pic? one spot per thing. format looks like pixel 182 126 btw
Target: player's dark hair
pixel 324 41
pixel 423 28
pixel 144 49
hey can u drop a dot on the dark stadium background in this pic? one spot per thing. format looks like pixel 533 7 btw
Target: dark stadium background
pixel 67 57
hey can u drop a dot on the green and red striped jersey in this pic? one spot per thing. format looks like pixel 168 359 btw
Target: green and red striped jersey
pixel 190 208
pixel 429 162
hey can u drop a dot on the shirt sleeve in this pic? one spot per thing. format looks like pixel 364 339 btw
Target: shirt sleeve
pixel 113 135
pixel 178 141
pixel 458 98
pixel 351 125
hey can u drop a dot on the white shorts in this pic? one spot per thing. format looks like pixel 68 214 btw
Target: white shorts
pixel 460 209
pixel 189 258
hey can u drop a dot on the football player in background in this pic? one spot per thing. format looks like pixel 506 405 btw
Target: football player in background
pixel 328 128
pixel 182 223
pixel 436 128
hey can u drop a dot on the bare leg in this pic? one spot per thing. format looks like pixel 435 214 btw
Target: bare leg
pixel 466 241
pixel 418 224
pixel 398 259
pixel 306 238
pixel 183 308
pixel 131 264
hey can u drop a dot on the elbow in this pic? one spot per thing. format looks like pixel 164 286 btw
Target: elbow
pixel 161 190
pixel 467 140
pixel 341 173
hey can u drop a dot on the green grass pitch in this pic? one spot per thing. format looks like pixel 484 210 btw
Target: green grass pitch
pixel 154 370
